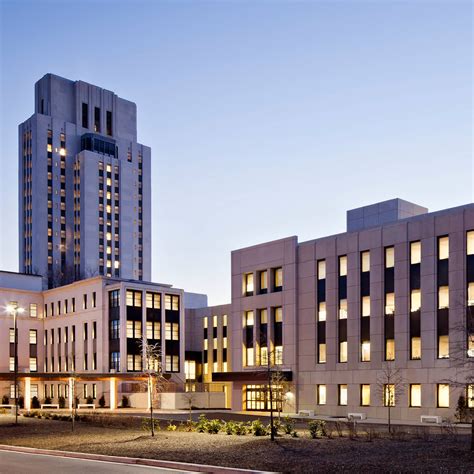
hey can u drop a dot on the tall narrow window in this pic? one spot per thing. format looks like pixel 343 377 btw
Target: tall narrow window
pixel 85 115
pixel 97 119
pixel 443 395
pixel 415 395
pixel 263 277
pixel 342 399
pixel 321 394
pixel 321 323
pixel 278 279
pixel 109 123
pixel 248 284
pixel 389 395
pixel 365 395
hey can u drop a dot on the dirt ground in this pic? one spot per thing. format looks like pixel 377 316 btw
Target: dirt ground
pixel 423 453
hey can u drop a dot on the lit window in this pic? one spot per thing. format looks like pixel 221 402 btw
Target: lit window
pixel 263 355
pixel 109 236
pixel 109 169
pixel 415 395
pixel 33 364
pixel 365 351
pixel 470 294
pixel 263 316
pixel 248 284
pixel 190 369
pixel 33 336
pixel 365 395
pixel 224 343
pixel 321 269
pixel 263 280
pixel 443 395
pixel 49 148
pixel 389 257
pixel 248 318
pixel 322 311
pixel 321 394
pixel 278 278
pixel 12 336
pixel 415 252
pixel 415 299
pixel 443 248
pixel 470 345
pixel 343 394
pixel 343 351
pixel 470 396
pixel 278 314
pixel 389 303
pixel 62 151
pixel 343 265
pixel 470 242
pixel 365 261
pixel 415 348
pixel 389 395
pixel 443 297
pixel 443 347
pixel 12 364
pixel 116 264
pixel 342 309
pixel 33 310
pixel 214 321
pixel 205 344
pixel 204 321
pixel 365 306
pixel 390 349
pixel 250 358
pixel 278 355
pixel 322 353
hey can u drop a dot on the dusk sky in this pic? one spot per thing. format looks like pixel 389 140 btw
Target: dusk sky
pixel 266 118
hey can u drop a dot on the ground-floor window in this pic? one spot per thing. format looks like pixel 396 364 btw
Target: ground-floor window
pixel 257 398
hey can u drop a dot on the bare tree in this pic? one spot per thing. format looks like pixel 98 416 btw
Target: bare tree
pixel 73 381
pixel 190 398
pixel 153 371
pixel 389 386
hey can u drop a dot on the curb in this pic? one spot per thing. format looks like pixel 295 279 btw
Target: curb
pixel 135 461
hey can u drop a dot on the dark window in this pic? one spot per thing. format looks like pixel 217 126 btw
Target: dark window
pixel 42 106
pixel 85 115
pixel 109 122
pixel 97 119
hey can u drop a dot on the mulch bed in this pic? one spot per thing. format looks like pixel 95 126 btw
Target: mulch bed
pixel 433 453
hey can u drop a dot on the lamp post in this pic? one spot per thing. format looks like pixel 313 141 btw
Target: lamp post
pixel 14 311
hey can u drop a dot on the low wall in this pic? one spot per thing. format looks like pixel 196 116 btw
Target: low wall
pixel 181 401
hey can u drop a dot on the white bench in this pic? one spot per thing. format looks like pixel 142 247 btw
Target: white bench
pixel 49 405
pixel 6 406
pixel 431 419
pixel 85 405
pixel 306 413
pixel 356 416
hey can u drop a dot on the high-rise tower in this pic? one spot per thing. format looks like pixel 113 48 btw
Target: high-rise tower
pixel 84 192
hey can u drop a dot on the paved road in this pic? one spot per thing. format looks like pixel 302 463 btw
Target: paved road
pixel 22 463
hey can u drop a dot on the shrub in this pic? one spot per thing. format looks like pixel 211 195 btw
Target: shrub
pixel 240 428
pixel 201 425
pixel 171 427
pixel 102 401
pixel 125 402
pixel 190 425
pixel 5 400
pixel 21 402
pixel 62 402
pixel 317 429
pixel 258 428
pixel 47 400
pixel 89 400
pixel 288 425
pixel 294 434
pixel 229 427
pixel 214 426
pixel 35 403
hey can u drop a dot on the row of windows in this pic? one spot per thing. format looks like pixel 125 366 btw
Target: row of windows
pixel 32 309
pixel 249 286
pixel 153 300
pixel 63 307
pixel 390 393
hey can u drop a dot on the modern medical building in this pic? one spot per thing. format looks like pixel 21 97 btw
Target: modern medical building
pixel 331 317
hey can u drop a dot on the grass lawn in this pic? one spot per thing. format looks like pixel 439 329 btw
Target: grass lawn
pixel 433 453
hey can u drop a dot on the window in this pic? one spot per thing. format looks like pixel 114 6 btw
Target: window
pixel 443 248
pixel 470 396
pixel 342 400
pixel 12 335
pixel 321 353
pixel 97 119
pixel 389 257
pixel 321 395
pixel 278 274
pixel 389 395
pixel 390 349
pixel 343 309
pixel 443 395
pixel 321 269
pixel 33 310
pixel 33 336
pixel 250 354
pixel 263 281
pixel 114 299
pixel 365 261
pixel 390 303
pixel 84 302
pixel 94 330
pixel 278 314
pixel 153 300
pixel 73 304
pixel 85 115
pixel 443 297
pixel 365 395
pixel 415 252
pixel 172 302
pixel 248 284
pixel 172 331
pixel 94 299
pixel 153 329
pixel 115 329
pixel 115 361
pixel 415 300
pixel 134 362
pixel 443 347
pixel 470 294
pixel 365 306
pixel 85 332
pixel 343 265
pixel 415 349
pixel 415 395
pixel 278 355
pixel 134 298
pixel 190 369
pixel 322 311
pixel 12 364
pixel 33 364
pixel 343 351
pixel 109 122
pixel 470 242
pixel 365 351
pixel 134 329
